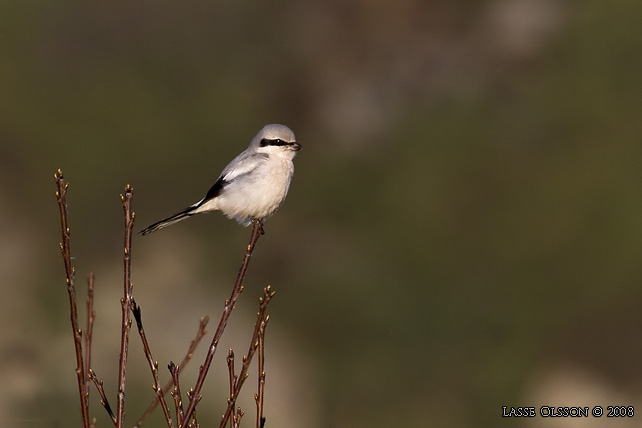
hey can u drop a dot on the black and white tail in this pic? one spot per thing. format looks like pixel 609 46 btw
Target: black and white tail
pixel 187 212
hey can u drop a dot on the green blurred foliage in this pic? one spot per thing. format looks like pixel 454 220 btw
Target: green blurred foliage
pixel 465 215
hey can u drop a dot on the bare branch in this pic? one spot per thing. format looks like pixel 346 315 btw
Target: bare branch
pixel 202 330
pixel 193 422
pixel 236 418
pixel 126 303
pixel 254 344
pixel 258 397
pixel 103 398
pixel 232 378
pixel 176 393
pixel 71 290
pixel 257 231
pixel 153 365
pixel 91 315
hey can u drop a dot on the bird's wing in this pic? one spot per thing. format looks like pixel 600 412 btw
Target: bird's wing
pixel 241 165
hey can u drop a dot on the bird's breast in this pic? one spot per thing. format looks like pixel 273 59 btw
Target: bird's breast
pixel 258 194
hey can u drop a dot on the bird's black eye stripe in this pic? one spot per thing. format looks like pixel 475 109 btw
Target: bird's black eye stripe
pixel 274 142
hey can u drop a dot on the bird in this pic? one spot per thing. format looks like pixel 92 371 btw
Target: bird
pixel 253 185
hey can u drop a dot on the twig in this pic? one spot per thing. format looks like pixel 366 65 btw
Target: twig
pixel 153 365
pixel 71 290
pixel 202 330
pixel 176 393
pixel 193 422
pixel 126 302
pixel 236 419
pixel 254 344
pixel 232 378
pixel 257 231
pixel 91 315
pixel 258 397
pixel 103 398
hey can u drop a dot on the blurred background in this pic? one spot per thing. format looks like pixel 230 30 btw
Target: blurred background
pixel 463 230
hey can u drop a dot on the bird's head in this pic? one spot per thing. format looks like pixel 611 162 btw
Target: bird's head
pixel 276 139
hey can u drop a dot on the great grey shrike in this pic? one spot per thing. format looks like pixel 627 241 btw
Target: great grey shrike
pixel 253 185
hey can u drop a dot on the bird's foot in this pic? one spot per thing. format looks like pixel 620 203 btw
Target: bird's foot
pixel 259 224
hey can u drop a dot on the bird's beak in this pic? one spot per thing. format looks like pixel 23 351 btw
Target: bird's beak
pixel 295 146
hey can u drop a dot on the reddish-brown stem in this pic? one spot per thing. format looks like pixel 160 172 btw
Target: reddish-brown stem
pixel 202 330
pixel 193 422
pixel 260 420
pixel 126 303
pixel 101 391
pixel 257 231
pixel 176 393
pixel 153 365
pixel 232 378
pixel 91 315
pixel 236 418
pixel 254 344
pixel 71 290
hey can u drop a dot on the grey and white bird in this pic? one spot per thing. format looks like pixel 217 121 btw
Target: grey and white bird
pixel 253 185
